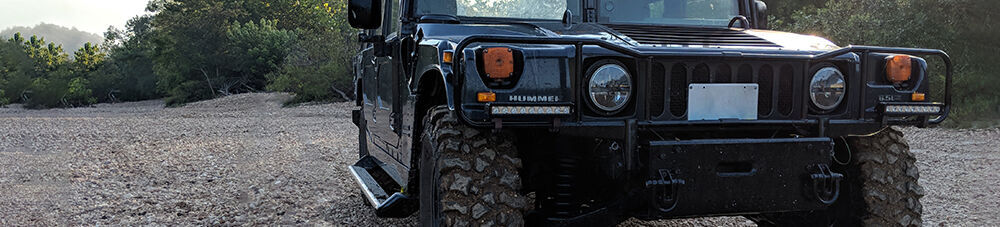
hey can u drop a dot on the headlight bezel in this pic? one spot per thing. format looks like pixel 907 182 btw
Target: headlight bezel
pixel 843 80
pixel 608 64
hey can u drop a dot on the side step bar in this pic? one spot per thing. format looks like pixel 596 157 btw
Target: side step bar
pixel 396 205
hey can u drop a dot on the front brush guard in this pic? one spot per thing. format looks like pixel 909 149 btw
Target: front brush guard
pixel 578 43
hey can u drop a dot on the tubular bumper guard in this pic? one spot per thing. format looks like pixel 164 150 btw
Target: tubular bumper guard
pixel 580 42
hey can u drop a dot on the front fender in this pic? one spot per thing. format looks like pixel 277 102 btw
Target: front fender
pixel 431 69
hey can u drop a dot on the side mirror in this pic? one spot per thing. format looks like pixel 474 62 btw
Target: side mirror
pixel 761 16
pixel 364 14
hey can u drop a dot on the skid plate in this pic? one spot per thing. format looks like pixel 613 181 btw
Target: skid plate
pixel 734 176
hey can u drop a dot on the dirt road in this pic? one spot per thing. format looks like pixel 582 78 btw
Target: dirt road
pixel 245 160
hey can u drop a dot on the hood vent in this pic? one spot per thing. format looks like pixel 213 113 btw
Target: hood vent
pixel 690 36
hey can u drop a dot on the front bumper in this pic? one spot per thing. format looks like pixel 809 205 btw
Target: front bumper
pixel 736 176
pixel 719 177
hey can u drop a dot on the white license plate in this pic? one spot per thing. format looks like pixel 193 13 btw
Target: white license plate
pixel 722 101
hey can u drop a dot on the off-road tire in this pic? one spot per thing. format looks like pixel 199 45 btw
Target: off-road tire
pixel 880 187
pixel 468 176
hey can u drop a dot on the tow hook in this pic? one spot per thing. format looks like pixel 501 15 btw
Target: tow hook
pixel 825 183
pixel 666 190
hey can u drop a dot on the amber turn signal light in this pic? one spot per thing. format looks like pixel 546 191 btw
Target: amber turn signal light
pixel 498 62
pixel 898 68
pixel 917 97
pixel 486 97
pixel 448 57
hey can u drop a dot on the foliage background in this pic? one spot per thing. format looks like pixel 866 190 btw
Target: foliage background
pixel 963 28
pixel 189 50
pixel 184 51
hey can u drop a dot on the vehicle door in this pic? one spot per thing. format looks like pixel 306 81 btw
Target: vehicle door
pixel 388 74
pixel 369 85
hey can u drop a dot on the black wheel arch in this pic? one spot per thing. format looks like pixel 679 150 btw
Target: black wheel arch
pixel 432 88
pixel 431 92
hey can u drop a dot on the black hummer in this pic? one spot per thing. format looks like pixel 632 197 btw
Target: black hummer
pixel 589 112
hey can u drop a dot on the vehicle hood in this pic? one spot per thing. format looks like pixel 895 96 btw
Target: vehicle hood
pixel 643 37
pixel 794 41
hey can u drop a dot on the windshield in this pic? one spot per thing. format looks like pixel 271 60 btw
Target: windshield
pixel 669 12
pixel 516 9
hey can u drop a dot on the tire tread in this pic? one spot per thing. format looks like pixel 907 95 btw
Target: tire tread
pixel 477 186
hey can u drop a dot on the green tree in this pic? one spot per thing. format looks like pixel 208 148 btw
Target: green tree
pixel 47 93
pixel 959 27
pixel 48 57
pixel 88 58
pixel 30 72
pixel 257 49
pixel 78 93
pixel 318 66
pixel 3 99
pixel 38 73
pixel 780 12
pixel 546 9
pixel 70 38
pixel 127 74
pixel 16 71
pixel 207 48
pixel 190 59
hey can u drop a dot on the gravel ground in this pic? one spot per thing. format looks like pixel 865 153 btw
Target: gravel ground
pixel 244 159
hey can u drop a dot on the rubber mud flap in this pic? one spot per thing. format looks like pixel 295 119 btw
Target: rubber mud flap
pixel 356 117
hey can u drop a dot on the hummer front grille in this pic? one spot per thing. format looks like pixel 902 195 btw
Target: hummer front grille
pixel 778 99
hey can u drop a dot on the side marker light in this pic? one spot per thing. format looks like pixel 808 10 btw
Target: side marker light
pixel 448 57
pixel 486 97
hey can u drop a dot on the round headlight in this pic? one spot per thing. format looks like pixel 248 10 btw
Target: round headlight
pixel 610 87
pixel 827 88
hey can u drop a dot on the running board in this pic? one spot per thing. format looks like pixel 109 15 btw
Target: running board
pixel 395 205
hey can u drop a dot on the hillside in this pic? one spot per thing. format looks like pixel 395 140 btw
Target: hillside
pixel 71 38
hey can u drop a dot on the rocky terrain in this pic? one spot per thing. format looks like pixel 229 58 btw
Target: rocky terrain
pixel 245 160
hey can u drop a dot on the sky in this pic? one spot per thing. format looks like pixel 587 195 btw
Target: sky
pixel 94 16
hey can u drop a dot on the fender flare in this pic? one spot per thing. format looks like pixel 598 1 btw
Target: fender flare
pixel 440 77
pixel 431 65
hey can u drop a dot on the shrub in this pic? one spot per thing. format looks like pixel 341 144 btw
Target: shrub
pixel 3 99
pixel 256 50
pixel 78 93
pixel 17 83
pixel 46 93
pixel 312 83
pixel 188 91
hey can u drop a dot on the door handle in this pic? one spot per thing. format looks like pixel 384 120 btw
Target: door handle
pixel 392 122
